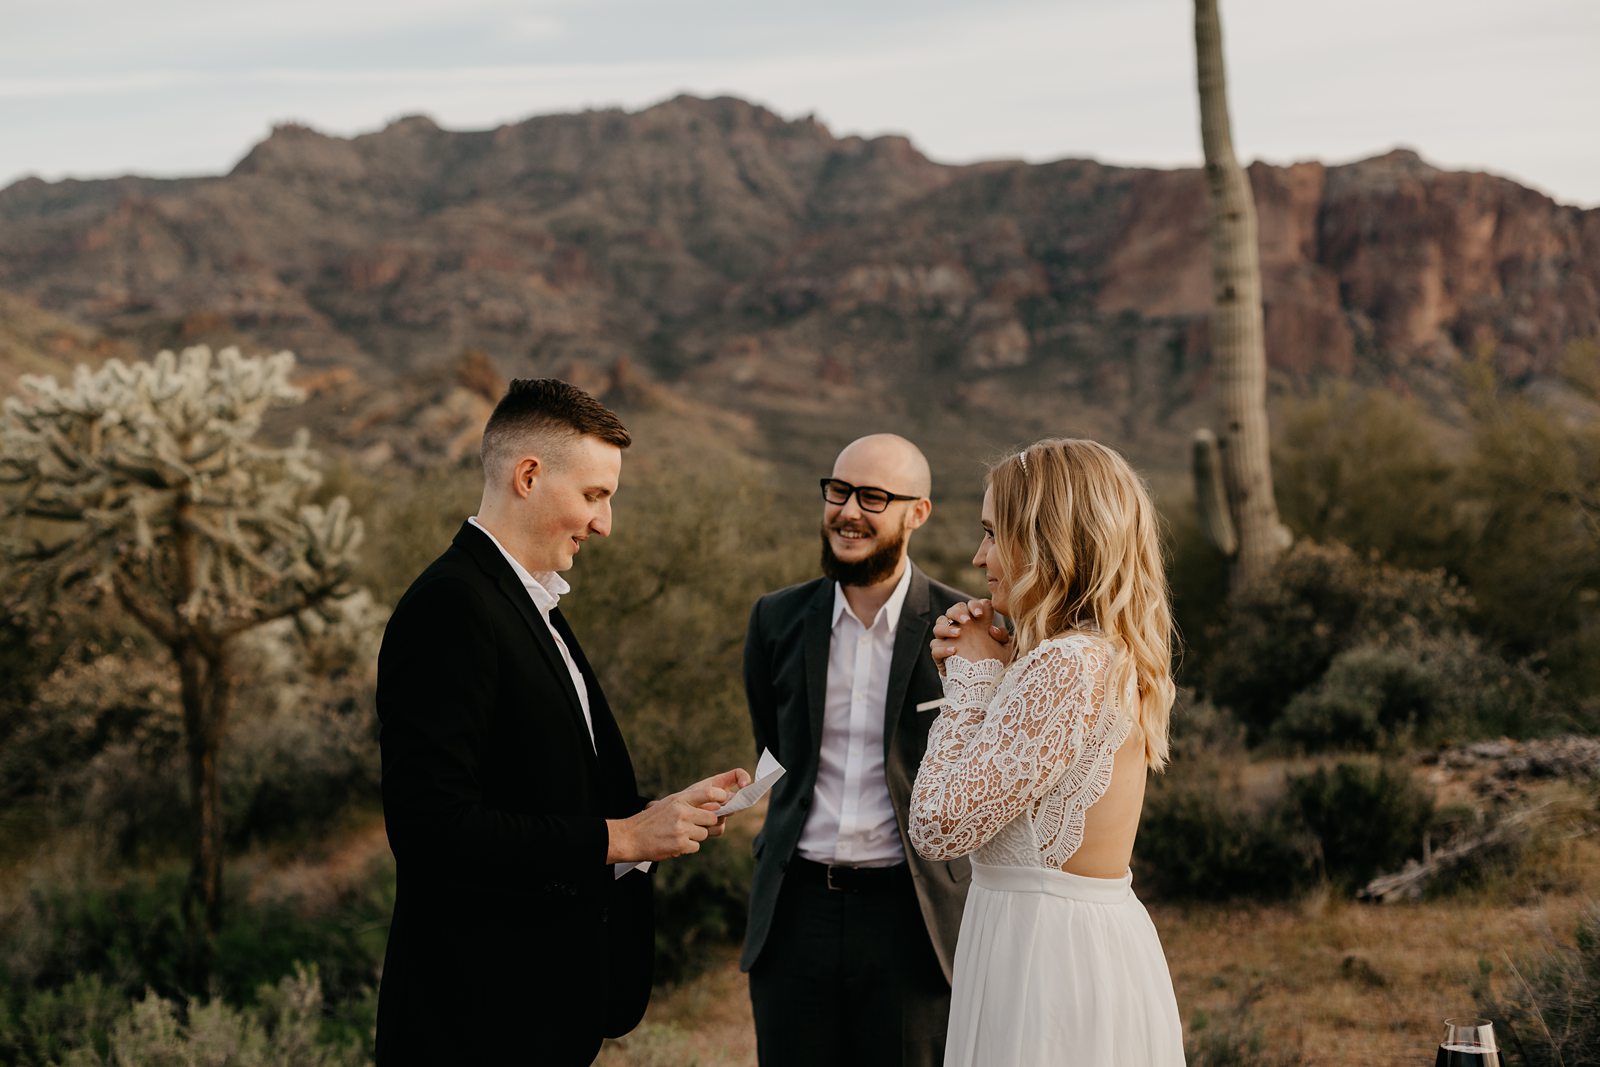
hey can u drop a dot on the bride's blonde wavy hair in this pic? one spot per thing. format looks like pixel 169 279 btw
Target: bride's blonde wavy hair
pixel 1075 533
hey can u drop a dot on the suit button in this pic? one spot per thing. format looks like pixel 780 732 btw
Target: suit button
pixel 805 802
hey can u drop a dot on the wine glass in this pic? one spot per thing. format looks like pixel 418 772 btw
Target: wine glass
pixel 1468 1043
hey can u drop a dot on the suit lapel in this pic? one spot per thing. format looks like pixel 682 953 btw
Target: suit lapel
pixel 818 635
pixel 910 644
pixel 488 557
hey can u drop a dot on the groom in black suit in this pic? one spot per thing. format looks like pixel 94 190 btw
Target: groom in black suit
pixel 852 934
pixel 519 936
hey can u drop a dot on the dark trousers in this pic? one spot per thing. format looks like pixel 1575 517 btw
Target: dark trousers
pixel 848 978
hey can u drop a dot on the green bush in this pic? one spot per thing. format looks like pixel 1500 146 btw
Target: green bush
pixel 1427 692
pixel 99 744
pixel 283 1028
pixel 1202 730
pixel 45 1027
pixel 1283 636
pixel 1198 577
pixel 1507 506
pixel 701 900
pixel 71 949
pixel 1232 1039
pixel 1202 840
pixel 1367 818
pixel 1369 469
pixel 1549 1014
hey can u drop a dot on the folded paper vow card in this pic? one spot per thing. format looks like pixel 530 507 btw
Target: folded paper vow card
pixel 768 771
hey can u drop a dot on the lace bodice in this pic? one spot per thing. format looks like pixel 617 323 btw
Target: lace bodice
pixel 1018 755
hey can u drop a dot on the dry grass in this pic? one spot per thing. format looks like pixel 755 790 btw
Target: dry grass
pixel 703 1023
pixel 1341 982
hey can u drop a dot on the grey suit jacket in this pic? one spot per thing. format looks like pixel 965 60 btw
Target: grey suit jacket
pixel 786 677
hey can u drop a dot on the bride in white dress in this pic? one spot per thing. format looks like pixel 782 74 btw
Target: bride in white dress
pixel 1037 763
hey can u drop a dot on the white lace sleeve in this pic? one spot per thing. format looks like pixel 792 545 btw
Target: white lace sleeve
pixel 970 685
pixel 986 765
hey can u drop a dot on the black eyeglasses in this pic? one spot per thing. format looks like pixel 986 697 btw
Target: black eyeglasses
pixel 870 498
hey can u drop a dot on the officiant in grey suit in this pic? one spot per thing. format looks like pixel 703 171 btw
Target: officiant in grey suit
pixel 852 934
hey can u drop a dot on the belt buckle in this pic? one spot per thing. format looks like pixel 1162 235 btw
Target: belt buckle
pixel 828 877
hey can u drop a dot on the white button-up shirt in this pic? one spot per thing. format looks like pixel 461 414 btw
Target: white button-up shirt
pixel 852 819
pixel 546 590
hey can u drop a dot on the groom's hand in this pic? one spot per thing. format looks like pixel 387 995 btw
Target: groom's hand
pixel 671 826
pixel 725 784
pixel 674 825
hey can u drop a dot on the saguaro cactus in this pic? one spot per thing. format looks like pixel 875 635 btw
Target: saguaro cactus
pixel 155 493
pixel 1248 530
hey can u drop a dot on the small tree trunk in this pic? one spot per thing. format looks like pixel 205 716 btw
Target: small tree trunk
pixel 206 690
pixel 1237 341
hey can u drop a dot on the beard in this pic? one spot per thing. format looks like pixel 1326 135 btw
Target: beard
pixel 869 570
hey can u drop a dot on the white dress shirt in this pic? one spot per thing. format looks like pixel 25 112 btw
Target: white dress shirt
pixel 852 820
pixel 546 590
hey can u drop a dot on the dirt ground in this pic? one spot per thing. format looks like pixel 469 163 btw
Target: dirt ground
pixel 1336 981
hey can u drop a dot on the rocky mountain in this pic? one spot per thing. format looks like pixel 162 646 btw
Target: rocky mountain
pixel 712 250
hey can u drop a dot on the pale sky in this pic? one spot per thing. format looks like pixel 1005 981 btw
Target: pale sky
pixel 92 88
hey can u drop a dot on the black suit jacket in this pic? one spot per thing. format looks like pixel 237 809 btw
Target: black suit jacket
pixel 511 941
pixel 786 678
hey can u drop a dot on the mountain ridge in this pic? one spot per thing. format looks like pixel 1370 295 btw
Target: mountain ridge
pixel 763 263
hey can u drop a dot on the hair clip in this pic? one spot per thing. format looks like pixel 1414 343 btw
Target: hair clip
pixel 1022 458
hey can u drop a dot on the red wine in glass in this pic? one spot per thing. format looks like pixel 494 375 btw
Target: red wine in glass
pixel 1468 1043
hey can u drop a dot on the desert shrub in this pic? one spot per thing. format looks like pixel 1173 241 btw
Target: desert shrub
pixel 1367 818
pixel 1549 1012
pixel 1201 729
pixel 1198 577
pixel 283 1028
pixel 1427 691
pixel 410 523
pixel 1281 636
pixel 1346 708
pixel 43 1028
pixel 297 772
pixel 1201 839
pixel 100 742
pixel 1369 469
pixel 76 942
pixel 1231 1038
pixel 24 654
pixel 79 686
pixel 1529 488
pixel 701 900
pixel 127 933
pixel 1504 500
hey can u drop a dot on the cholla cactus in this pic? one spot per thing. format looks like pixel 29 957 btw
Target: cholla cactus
pixel 145 482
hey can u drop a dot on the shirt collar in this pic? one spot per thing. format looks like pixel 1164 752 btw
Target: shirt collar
pixel 546 588
pixel 889 613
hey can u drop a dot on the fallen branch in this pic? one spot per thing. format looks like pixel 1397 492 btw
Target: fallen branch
pixel 1412 880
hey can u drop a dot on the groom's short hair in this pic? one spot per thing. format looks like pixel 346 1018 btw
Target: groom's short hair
pixel 546 415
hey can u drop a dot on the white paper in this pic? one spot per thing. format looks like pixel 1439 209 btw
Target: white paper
pixel 768 771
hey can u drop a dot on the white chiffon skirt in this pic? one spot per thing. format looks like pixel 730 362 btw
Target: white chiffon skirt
pixel 1059 969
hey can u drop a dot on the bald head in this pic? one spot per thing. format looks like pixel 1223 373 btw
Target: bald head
pixel 885 460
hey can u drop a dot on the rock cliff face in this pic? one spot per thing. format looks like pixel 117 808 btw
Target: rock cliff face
pixel 767 264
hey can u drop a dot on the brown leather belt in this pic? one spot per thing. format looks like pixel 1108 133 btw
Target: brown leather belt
pixel 849 879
